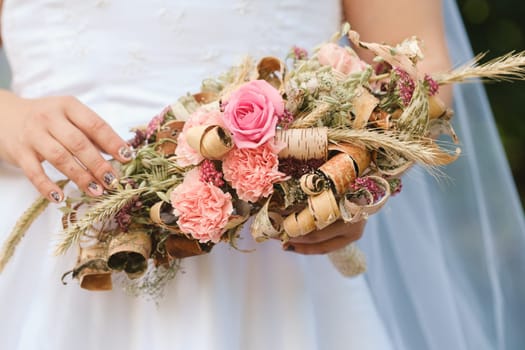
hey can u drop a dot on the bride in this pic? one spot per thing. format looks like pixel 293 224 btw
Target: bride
pixel 123 61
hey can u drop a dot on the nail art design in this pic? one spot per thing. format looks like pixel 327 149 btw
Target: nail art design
pixel 125 152
pixel 55 196
pixel 94 188
pixel 109 178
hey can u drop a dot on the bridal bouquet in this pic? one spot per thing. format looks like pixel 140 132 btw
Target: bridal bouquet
pixel 295 144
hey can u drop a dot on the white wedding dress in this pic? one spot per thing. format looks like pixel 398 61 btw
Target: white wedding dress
pixel 127 59
pixel 445 258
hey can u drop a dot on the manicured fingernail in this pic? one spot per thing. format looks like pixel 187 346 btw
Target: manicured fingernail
pixel 125 152
pixel 109 179
pixel 95 189
pixel 55 196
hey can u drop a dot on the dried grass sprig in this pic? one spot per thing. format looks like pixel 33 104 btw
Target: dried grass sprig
pixel 505 68
pixel 423 151
pixel 312 118
pixel 22 225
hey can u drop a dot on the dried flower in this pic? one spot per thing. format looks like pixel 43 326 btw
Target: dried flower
pixel 253 171
pixel 405 85
pixel 299 53
pixel 366 183
pixel 203 209
pixel 156 122
pixel 432 85
pixel 208 173
pixel 296 168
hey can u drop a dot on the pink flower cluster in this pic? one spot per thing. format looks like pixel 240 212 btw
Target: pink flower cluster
pixel 203 210
pixel 340 59
pixel 253 171
pixel 369 185
pixel 405 85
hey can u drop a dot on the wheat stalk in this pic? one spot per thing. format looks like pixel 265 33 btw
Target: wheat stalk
pixel 22 225
pixel 311 119
pixel 422 151
pixel 505 68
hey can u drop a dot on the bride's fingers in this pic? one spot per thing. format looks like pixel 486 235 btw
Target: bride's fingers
pixel 338 228
pixel 32 168
pixel 81 148
pixel 96 129
pixel 319 248
pixel 56 154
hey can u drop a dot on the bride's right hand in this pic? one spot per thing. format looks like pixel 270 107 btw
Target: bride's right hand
pixel 64 132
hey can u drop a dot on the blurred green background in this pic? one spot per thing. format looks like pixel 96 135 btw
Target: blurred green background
pixel 498 26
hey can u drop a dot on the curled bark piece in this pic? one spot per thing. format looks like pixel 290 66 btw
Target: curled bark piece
pixel 205 97
pixel 304 144
pixel 179 246
pixel 322 211
pixel 349 261
pixel 299 224
pixel 266 224
pixel 353 211
pixel 211 141
pixel 92 270
pixel 130 251
pixel 313 183
pixel 272 70
pixel 169 133
pixel 161 213
pixel 436 108
pixel 341 171
pixel 364 104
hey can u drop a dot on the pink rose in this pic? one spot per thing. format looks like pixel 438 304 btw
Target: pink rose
pixel 253 171
pixel 341 59
pixel 203 210
pixel 186 155
pixel 252 112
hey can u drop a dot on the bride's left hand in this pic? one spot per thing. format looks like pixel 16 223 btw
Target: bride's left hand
pixel 331 238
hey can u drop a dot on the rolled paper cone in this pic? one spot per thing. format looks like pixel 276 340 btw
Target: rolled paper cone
pixel 436 107
pixel 324 208
pixel 359 154
pixel 304 144
pixel 364 104
pixel 129 251
pixel 179 246
pixel 205 97
pixel 341 170
pixel 170 131
pixel 312 184
pixel 216 143
pixel 349 261
pixel 299 224
pixel 95 275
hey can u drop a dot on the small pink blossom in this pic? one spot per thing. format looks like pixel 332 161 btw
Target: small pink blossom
pixel 155 123
pixel 433 86
pixel 203 210
pixel 252 172
pixel 299 53
pixel 340 59
pixel 186 155
pixel 252 112
pixel 208 173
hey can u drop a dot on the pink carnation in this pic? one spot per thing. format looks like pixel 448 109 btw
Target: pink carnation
pixel 251 113
pixel 203 210
pixel 253 171
pixel 186 155
pixel 340 59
